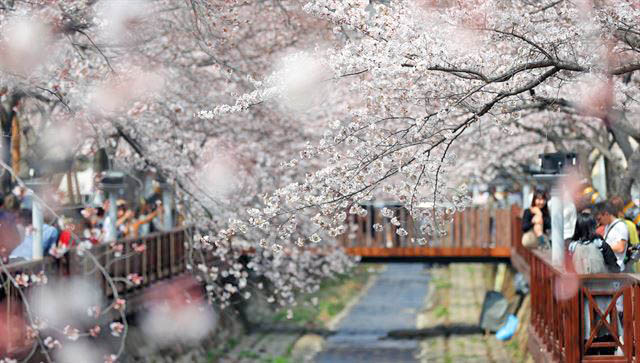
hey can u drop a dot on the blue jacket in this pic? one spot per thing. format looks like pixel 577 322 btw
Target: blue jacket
pixel 25 248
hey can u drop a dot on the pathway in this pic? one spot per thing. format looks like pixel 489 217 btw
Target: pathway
pixel 411 297
pixel 392 303
pixel 456 300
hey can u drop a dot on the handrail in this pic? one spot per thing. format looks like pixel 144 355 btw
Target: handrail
pixel 159 256
pixel 574 317
pixel 473 232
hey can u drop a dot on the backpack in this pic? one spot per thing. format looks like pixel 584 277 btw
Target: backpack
pixel 609 256
pixel 588 259
pixel 628 252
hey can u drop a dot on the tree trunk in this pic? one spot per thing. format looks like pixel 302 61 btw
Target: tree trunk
pixel 632 174
pixel 15 146
pixel 615 173
pixel 7 114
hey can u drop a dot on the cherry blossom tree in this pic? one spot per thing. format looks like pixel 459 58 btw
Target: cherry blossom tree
pixel 275 120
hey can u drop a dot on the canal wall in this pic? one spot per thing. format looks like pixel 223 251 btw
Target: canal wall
pixel 502 278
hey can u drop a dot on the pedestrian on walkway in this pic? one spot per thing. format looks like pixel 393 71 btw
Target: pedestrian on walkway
pixel 536 222
pixel 619 205
pixel 24 251
pixel 616 233
pixel 591 255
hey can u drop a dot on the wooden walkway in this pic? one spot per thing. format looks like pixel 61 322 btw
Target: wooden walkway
pixel 575 318
pixel 154 259
pixel 475 235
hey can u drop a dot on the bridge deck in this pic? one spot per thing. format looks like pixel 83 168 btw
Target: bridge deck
pixel 474 234
pixel 431 254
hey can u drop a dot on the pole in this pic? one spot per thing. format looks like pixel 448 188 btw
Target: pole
pixel 112 228
pixel 526 190
pixel 557 227
pixel 37 222
pixel 167 204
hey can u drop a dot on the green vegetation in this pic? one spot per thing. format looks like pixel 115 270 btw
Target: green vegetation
pixel 447 358
pixel 441 311
pixel 279 359
pixel 331 298
pixel 215 354
pixel 514 349
pixel 248 354
pixel 441 283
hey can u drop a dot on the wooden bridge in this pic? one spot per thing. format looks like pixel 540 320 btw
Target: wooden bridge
pixel 574 318
pixel 474 235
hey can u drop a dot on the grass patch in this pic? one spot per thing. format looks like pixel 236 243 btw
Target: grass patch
pixel 441 311
pixel 248 354
pixel 214 355
pixel 515 350
pixel 279 359
pixel 332 297
pixel 441 283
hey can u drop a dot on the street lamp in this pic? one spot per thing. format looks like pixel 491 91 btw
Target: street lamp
pixel 36 185
pixel 551 168
pixel 113 183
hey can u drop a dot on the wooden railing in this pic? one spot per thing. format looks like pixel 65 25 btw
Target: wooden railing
pixel 574 318
pixel 159 256
pixel 520 256
pixel 474 232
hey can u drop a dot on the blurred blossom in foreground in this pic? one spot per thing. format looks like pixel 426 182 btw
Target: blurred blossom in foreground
pixel 24 44
pixel 218 176
pixel 121 92
pixel 65 301
pixel 177 313
pixel 60 140
pixel 302 79
pixel 596 97
pixel 120 20
pixel 566 286
pixel 74 352
pixel 12 327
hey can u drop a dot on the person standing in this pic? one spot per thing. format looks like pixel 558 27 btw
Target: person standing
pixel 616 233
pixel 24 251
pixel 590 255
pixel 536 222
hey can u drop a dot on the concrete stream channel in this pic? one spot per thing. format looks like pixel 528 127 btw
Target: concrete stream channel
pixel 392 303
pixel 407 312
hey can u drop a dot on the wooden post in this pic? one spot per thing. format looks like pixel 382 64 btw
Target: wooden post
pixel 172 253
pixel 465 229
pixel 379 234
pixel 486 227
pixel 473 230
pixel 158 242
pixel 627 323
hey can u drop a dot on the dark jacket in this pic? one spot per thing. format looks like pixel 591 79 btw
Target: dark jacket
pixel 527 225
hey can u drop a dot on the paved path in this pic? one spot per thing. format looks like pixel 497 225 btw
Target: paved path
pixel 393 302
pixel 457 299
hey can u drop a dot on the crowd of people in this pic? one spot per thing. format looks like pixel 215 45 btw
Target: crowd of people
pixel 60 233
pixel 600 236
pixel 588 224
